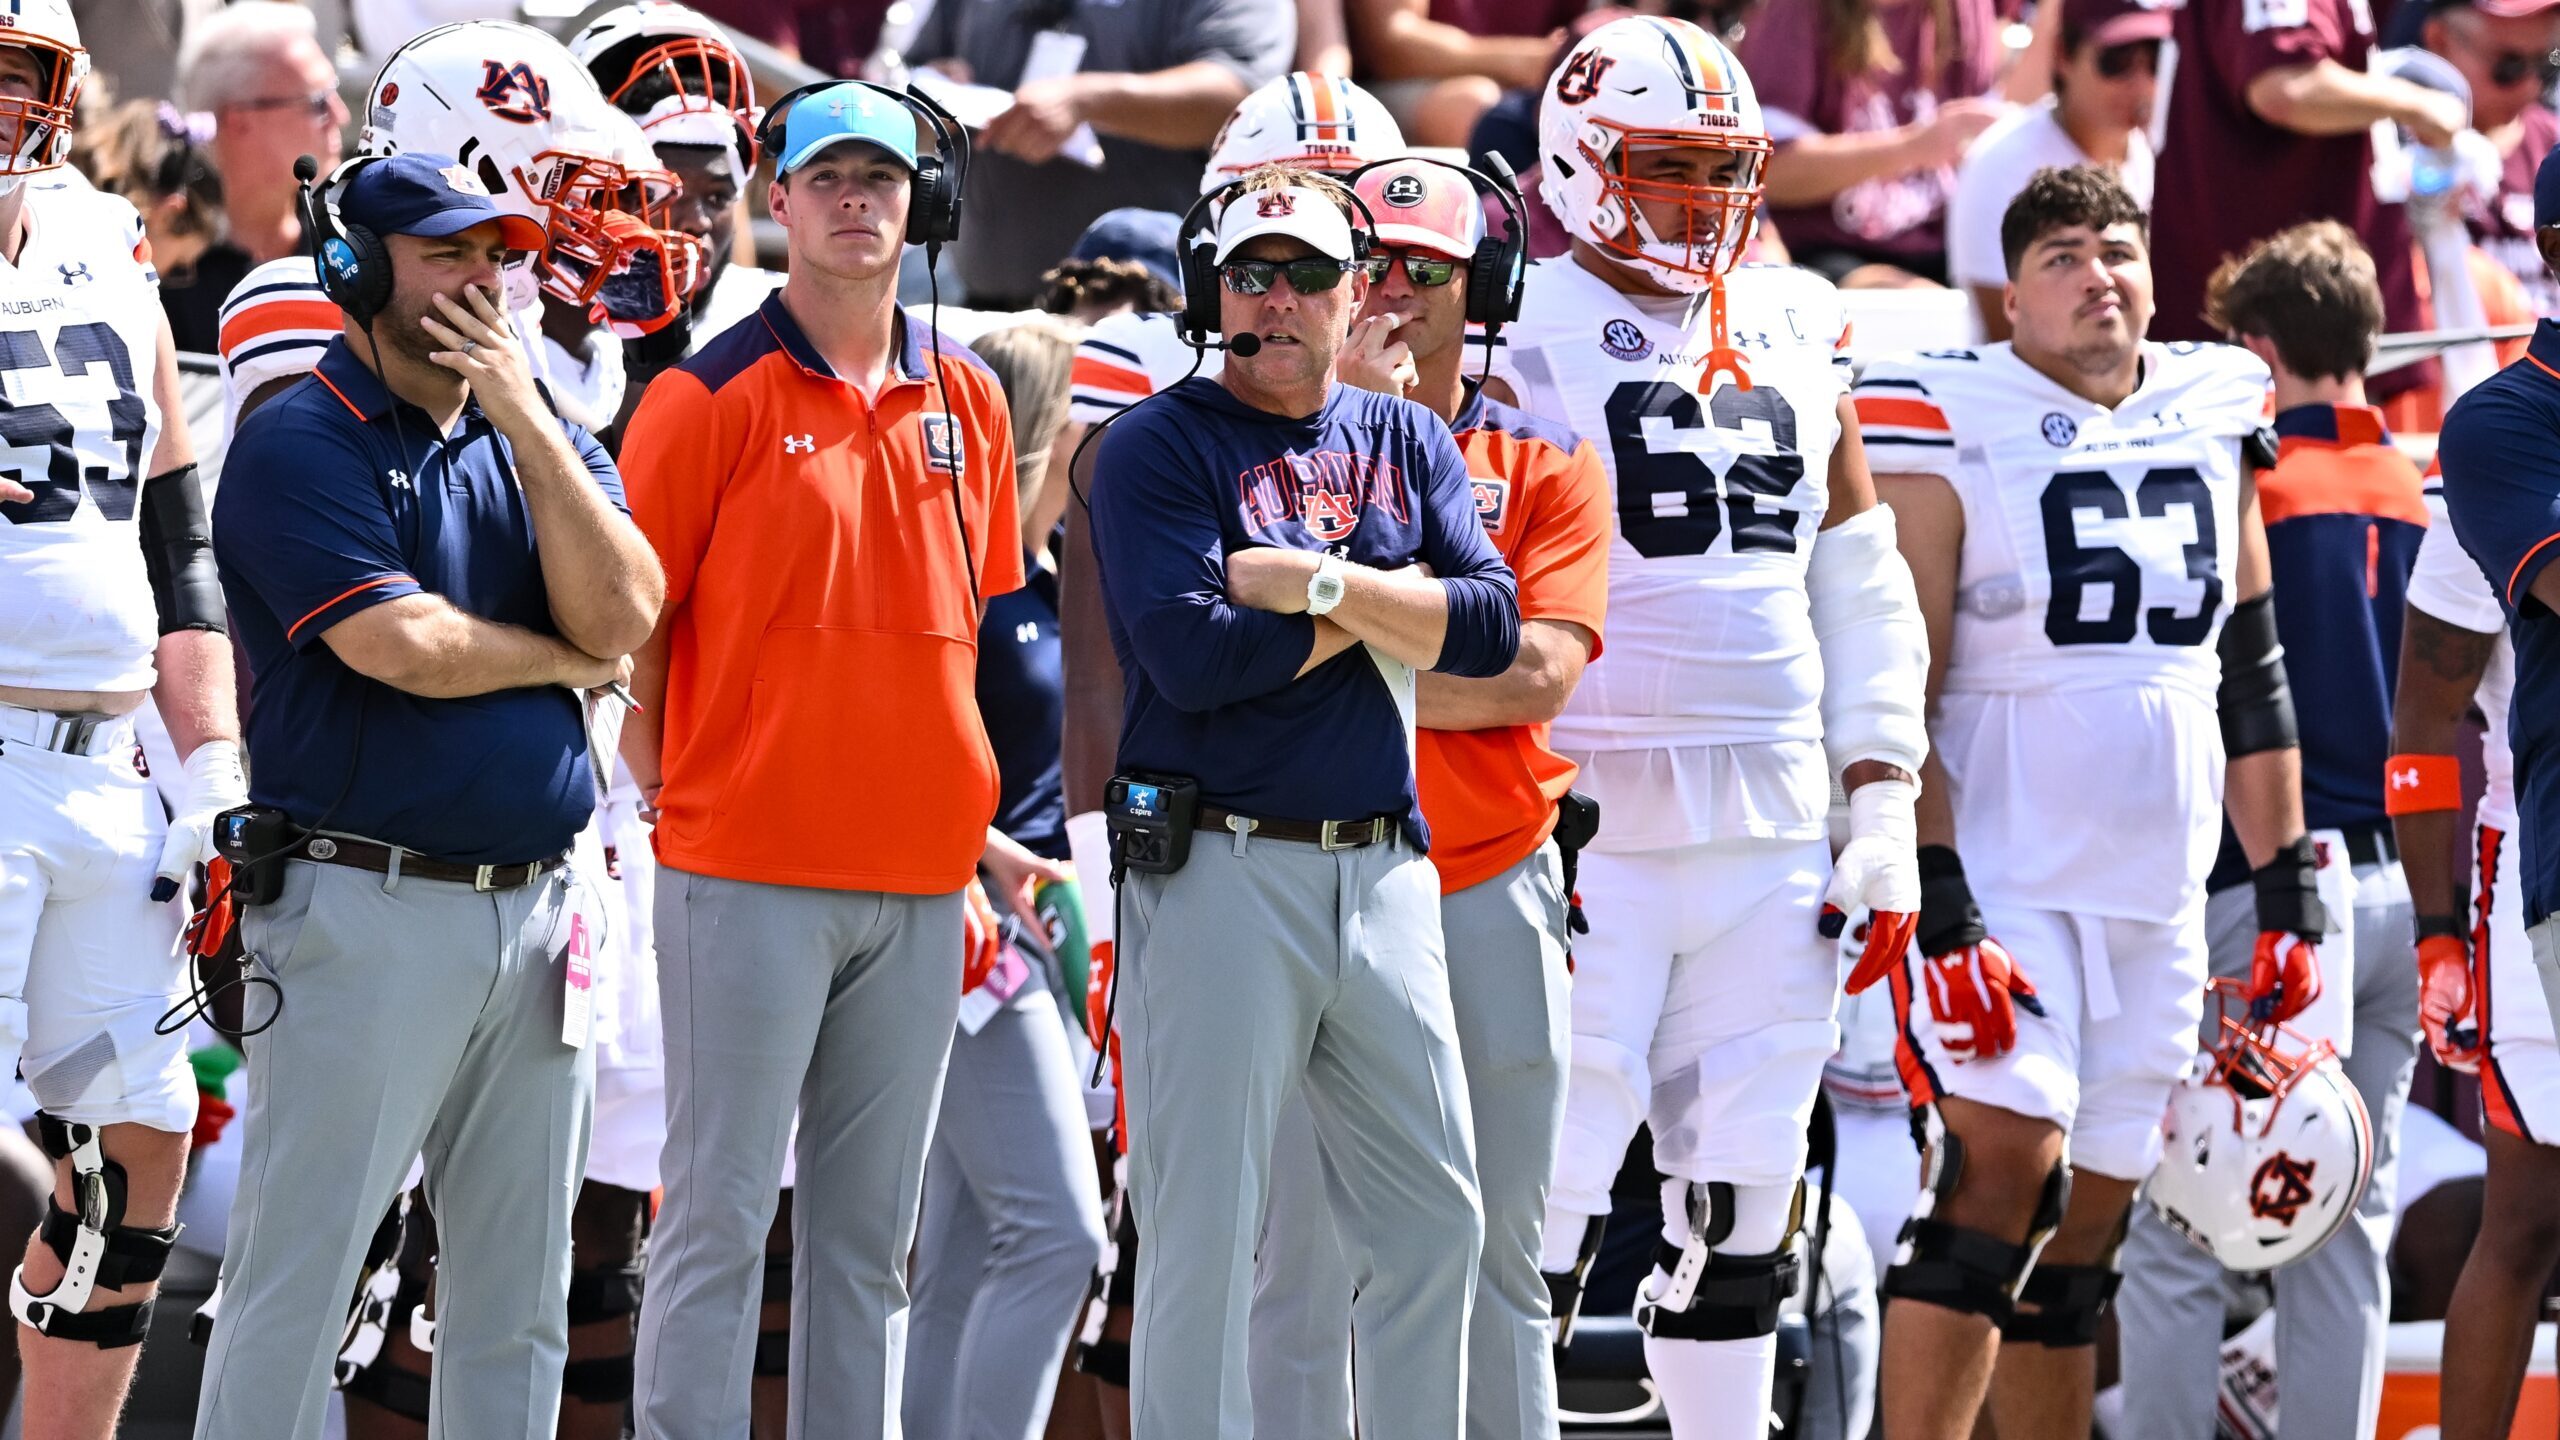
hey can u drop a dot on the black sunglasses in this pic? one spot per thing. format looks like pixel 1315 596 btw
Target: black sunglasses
pixel 1428 272
pixel 1307 277
pixel 2117 61
pixel 2512 66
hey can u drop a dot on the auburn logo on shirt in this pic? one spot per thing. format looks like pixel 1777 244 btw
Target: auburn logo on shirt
pixel 514 92
pixel 1493 501
pixel 941 443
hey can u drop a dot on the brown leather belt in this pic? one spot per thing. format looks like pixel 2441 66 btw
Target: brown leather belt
pixel 367 855
pixel 1331 834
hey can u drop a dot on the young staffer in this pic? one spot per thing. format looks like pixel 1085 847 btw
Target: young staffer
pixel 2078 511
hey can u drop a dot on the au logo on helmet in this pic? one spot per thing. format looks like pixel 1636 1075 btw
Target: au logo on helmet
pixel 2281 1188
pixel 514 92
pixel 1580 78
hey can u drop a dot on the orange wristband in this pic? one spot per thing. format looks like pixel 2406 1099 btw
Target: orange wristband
pixel 2421 784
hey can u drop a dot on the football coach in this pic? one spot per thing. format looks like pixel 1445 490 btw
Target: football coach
pixel 1279 555
pixel 423 562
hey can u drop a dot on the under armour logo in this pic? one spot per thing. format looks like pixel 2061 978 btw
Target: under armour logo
pixel 399 479
pixel 799 444
pixel 74 274
pixel 2405 779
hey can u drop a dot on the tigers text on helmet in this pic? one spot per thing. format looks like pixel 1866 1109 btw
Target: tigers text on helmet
pixel 1645 83
pixel 1314 122
pixel 35 133
pixel 675 71
pixel 2267 1148
pixel 523 116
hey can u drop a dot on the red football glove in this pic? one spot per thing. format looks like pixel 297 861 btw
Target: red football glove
pixel 1097 992
pixel 2447 1005
pixel 1975 993
pixel 2284 976
pixel 981 939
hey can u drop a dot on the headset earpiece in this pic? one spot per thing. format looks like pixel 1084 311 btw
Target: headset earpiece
pixel 1197 250
pixel 354 265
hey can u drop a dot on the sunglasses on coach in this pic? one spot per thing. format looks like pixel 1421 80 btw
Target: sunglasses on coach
pixel 2117 61
pixel 1307 277
pixel 1428 272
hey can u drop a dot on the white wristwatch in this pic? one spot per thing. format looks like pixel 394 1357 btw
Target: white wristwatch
pixel 1324 588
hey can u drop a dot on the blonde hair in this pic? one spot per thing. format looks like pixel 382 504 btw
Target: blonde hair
pixel 1032 362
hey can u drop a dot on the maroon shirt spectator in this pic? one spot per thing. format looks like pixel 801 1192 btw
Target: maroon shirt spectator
pixel 1866 151
pixel 1506 17
pixel 834 35
pixel 2268 116
pixel 2502 225
pixel 2503 48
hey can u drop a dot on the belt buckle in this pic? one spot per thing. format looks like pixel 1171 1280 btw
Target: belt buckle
pixel 72 733
pixel 1368 829
pixel 484 879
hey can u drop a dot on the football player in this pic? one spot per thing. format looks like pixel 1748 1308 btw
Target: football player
pixel 1763 640
pixel 107 598
pixel 2078 510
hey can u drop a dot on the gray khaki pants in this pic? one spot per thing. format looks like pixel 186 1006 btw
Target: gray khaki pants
pixel 419 1016
pixel 2333 1307
pixel 1260 967
pixel 843 1002
pixel 1508 986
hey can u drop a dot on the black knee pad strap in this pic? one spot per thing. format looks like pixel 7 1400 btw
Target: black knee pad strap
pixel 773 1352
pixel 2070 1299
pixel 1957 1269
pixel 402 1392
pixel 134 1256
pixel 777 1278
pixel 111 1328
pixel 1738 1298
pixel 1106 1361
pixel 605 1293
pixel 599 1380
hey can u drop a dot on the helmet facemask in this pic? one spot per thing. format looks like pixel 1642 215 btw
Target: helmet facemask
pixel 613 247
pixel 35 133
pixel 1716 221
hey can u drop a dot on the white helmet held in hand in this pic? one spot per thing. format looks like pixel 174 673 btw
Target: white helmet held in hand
pixel 1641 83
pixel 1316 122
pixel 35 134
pixel 2267 1147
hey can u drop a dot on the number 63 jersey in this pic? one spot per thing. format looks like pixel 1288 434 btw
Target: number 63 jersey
pixel 1718 495
pixel 79 336
pixel 2077 720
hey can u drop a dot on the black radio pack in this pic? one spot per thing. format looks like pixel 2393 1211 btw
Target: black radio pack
pixel 1577 821
pixel 255 838
pixel 1150 819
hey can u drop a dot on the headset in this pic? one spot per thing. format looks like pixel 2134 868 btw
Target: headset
pixel 354 264
pixel 1198 251
pixel 1498 271
pixel 934 189
pixel 939 179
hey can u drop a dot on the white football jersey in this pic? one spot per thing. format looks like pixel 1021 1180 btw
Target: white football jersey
pixel 1127 357
pixel 2447 584
pixel 2077 722
pixel 589 391
pixel 1719 494
pixel 79 337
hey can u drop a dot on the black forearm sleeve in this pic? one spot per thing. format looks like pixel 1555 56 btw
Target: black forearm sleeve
pixel 177 553
pixel 1949 918
pixel 2255 701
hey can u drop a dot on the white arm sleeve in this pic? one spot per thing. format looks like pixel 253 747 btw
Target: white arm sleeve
pixel 1875 649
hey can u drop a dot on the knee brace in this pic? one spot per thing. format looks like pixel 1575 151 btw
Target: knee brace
pixel 382 1292
pixel 402 1392
pixel 1564 1287
pixel 95 1246
pixel 2069 1300
pixel 604 1292
pixel 1114 1286
pixel 1713 1295
pixel 1959 1269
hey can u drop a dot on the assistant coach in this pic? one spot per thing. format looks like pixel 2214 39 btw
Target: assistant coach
pixel 1257 536
pixel 830 517
pixel 423 562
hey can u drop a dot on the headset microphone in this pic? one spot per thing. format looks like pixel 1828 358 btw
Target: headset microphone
pixel 1243 347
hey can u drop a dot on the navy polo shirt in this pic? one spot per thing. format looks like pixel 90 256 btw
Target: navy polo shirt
pixel 1022 698
pixel 1193 475
pixel 334 498
pixel 2500 453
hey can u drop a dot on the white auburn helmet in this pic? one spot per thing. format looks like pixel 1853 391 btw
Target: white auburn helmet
pixel 1646 82
pixel 674 70
pixel 35 135
pixel 2267 1147
pixel 1315 122
pixel 519 112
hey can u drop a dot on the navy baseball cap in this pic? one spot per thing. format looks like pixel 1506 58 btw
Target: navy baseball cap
pixel 846 112
pixel 1141 237
pixel 430 196
pixel 2546 190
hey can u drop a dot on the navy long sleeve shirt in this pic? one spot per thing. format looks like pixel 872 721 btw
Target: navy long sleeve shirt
pixel 1194 475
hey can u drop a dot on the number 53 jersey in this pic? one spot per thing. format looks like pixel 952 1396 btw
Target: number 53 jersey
pixel 1718 492
pixel 2077 720
pixel 79 337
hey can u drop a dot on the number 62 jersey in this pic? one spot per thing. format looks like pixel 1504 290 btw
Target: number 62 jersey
pixel 1718 495
pixel 2077 721
pixel 79 337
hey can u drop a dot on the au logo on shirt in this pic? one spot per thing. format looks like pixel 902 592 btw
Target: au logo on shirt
pixel 941 443
pixel 1493 501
